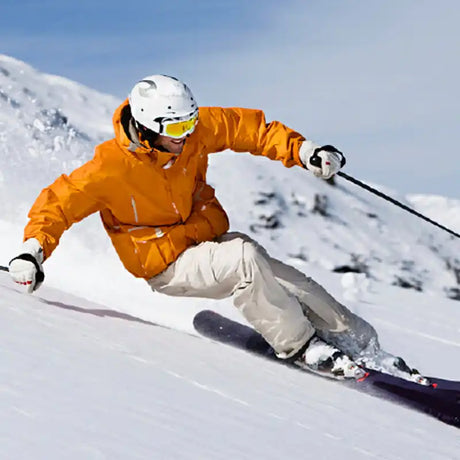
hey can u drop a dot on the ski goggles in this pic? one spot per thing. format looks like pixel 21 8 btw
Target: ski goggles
pixel 177 128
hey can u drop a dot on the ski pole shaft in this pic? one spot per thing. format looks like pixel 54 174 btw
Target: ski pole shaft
pixel 3 269
pixel 395 202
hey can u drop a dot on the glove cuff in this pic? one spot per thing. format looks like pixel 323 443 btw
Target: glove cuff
pixel 33 247
pixel 307 149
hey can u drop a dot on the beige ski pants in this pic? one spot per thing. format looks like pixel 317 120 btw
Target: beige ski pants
pixel 280 302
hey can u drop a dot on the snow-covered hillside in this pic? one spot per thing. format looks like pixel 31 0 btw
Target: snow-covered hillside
pixel 86 373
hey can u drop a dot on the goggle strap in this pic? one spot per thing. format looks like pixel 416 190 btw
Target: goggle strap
pixel 141 127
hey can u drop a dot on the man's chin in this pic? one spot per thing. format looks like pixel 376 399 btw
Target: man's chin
pixel 176 149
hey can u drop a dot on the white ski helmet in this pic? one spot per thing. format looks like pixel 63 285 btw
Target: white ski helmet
pixel 159 100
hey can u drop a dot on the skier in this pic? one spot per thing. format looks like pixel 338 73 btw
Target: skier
pixel 149 185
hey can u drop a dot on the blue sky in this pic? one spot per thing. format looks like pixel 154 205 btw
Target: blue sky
pixel 378 79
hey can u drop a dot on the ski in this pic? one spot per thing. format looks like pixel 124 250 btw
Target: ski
pixel 441 399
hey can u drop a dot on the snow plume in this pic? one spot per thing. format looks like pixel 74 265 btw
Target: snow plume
pixel 48 125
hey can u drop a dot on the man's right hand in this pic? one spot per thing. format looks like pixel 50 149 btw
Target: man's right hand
pixel 26 269
pixel 323 161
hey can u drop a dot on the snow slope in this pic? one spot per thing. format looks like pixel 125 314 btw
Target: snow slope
pixel 85 373
pixel 81 381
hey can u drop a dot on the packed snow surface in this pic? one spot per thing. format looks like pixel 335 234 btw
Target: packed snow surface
pixel 81 380
pixel 96 366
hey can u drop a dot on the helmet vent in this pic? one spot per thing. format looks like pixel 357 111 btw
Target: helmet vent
pixel 146 90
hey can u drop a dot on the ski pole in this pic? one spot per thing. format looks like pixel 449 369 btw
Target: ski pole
pixel 3 269
pixel 395 202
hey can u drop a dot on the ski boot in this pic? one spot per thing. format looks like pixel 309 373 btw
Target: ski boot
pixel 322 358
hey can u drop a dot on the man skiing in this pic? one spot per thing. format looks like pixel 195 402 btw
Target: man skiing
pixel 149 185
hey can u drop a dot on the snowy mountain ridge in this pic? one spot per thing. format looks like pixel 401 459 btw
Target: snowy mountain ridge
pixel 50 125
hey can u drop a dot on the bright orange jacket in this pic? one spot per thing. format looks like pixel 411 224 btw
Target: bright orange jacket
pixel 153 212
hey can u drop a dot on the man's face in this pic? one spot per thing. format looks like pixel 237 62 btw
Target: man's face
pixel 169 144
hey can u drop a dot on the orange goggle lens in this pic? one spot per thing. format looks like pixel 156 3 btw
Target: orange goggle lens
pixel 180 128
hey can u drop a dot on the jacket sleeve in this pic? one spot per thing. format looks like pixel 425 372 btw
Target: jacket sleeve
pixel 67 201
pixel 246 130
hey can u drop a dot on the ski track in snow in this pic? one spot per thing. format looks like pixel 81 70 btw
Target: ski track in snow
pixel 405 330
